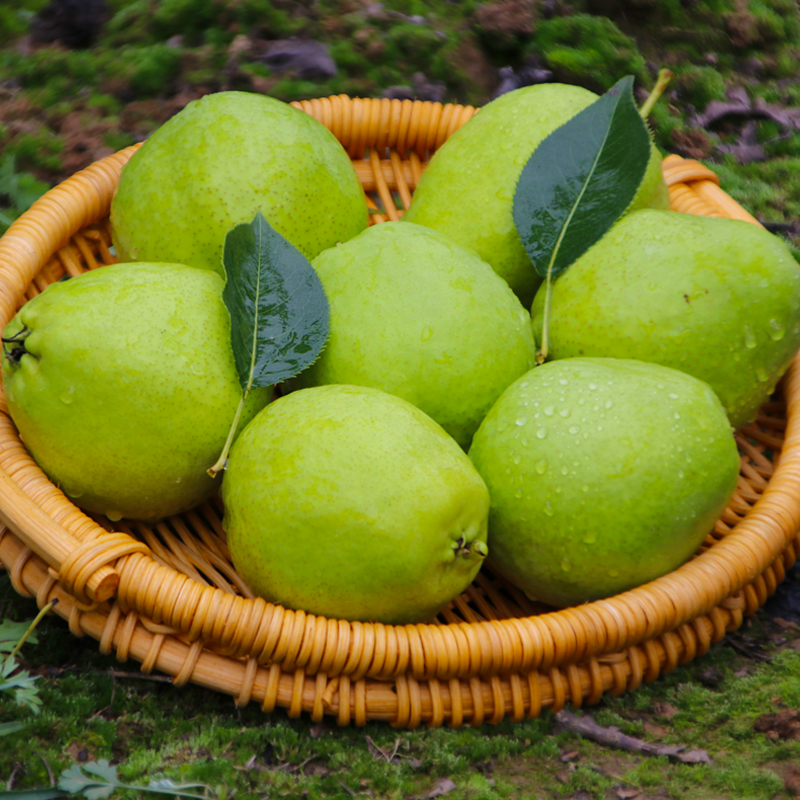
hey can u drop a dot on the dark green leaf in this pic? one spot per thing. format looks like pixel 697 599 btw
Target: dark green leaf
pixel 580 180
pixel 278 308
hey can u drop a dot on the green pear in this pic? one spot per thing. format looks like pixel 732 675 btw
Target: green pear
pixel 418 316
pixel 351 503
pixel 467 191
pixel 717 298
pixel 219 161
pixel 123 386
pixel 603 474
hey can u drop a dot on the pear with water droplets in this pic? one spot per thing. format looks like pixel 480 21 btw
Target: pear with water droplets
pixel 603 474
pixel 716 298
pixel 123 386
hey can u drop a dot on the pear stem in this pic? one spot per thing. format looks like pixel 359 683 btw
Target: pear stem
pixel 664 77
pixel 220 465
pixel 31 628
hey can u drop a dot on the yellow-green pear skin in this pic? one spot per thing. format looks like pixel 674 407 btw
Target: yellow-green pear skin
pixel 603 474
pixel 351 503
pixel 219 161
pixel 125 388
pixel 717 298
pixel 467 190
pixel 415 314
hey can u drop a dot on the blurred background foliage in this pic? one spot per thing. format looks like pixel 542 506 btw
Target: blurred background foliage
pixel 80 79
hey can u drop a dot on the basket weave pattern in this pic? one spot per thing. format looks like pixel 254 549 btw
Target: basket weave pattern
pixel 167 595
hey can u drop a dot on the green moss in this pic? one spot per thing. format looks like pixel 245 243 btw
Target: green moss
pixel 700 85
pixel 37 151
pixel 414 44
pixel 150 70
pixel 591 51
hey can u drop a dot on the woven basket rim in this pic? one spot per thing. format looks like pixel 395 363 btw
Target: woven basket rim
pixel 87 558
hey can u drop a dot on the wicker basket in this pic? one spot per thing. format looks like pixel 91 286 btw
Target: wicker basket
pixel 167 595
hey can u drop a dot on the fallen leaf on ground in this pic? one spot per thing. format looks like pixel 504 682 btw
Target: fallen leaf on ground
pixel 569 755
pixel 613 737
pixel 443 786
pixel 783 725
pixel 666 710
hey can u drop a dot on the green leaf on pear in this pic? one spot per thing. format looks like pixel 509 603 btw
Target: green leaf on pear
pixel 278 308
pixel 580 180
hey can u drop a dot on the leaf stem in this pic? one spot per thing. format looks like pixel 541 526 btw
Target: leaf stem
pixel 664 77
pixel 31 628
pixel 541 356
pixel 223 457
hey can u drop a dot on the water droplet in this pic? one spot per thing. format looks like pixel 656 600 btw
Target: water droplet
pixel 427 332
pixel 73 492
pixel 672 396
pixel 565 565
pixel 582 401
pixel 68 397
pixel 592 387
pixel 501 425
pixel 564 382
pixel 541 433
pixel 600 427
pixel 749 338
pixel 524 385
pixel 681 474
pixel 590 537
pixel 521 421
pixel 613 573
pixel 585 487
pixel 196 369
pixel 565 412
pixel 609 403
pixel 541 467
pixel 574 429
pixel 676 415
pixel 565 470
pixel 518 493
pixel 114 516
pixel 548 509
pixel 178 479
pixel 517 459
pixel 550 410
pixel 761 374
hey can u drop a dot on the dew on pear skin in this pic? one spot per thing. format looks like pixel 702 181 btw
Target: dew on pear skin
pixel 749 338
pixel 565 470
pixel 585 487
pixel 114 516
pixel 517 459
pixel 565 412
pixel 541 433
pixel 521 421
pixel 427 332
pixel 676 415
pixel 761 374
pixel 501 425
pixel 565 565
pixel 574 429
pixel 550 410
pixel 590 537
pixel 67 397
pixel 681 474
pixel 73 492
pixel 564 382
pixel 612 573
pixel 592 387
pixel 672 396
pixel 541 467
pixel 548 509
pixel 197 370
pixel 518 493
pixel 179 479
pixel 609 403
